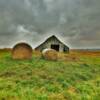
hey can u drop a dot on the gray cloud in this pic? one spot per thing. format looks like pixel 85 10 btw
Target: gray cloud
pixel 76 22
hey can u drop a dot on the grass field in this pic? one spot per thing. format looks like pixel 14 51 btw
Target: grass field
pixel 75 76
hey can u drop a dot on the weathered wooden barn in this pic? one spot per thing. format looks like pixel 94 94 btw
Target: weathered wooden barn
pixel 54 43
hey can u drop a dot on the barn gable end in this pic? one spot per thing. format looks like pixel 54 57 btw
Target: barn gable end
pixel 54 43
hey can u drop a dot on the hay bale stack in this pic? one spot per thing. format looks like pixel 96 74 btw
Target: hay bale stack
pixel 50 54
pixel 22 51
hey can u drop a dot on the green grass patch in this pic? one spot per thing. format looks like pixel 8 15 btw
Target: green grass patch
pixel 39 79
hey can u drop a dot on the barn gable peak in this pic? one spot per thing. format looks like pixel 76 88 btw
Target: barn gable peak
pixel 53 36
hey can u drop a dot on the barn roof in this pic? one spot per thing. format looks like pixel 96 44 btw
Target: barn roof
pixel 53 36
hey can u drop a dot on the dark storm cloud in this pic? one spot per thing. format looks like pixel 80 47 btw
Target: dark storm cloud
pixel 76 22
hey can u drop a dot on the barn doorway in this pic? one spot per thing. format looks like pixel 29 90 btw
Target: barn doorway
pixel 55 47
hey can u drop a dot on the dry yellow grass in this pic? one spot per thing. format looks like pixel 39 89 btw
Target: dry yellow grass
pixel 72 56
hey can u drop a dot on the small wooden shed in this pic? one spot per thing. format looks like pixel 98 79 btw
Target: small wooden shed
pixel 53 43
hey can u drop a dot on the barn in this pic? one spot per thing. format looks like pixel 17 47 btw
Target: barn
pixel 53 43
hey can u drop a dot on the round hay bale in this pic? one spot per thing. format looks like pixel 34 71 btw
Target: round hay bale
pixel 50 54
pixel 22 51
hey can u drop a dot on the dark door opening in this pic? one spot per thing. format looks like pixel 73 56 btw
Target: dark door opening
pixel 55 47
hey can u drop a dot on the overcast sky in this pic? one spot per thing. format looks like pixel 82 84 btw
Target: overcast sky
pixel 75 22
